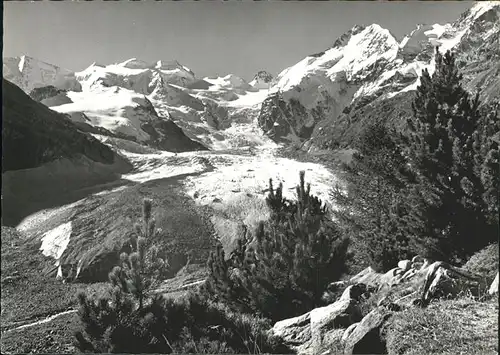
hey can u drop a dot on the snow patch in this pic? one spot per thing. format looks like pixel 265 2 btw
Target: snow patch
pixel 55 241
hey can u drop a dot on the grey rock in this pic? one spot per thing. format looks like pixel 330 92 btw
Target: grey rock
pixel 494 286
pixel 366 337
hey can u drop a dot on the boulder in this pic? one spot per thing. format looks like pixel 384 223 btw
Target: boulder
pixel 354 292
pixel 408 275
pixel 317 329
pixel 494 286
pixel 348 332
pixel 405 265
pixel 368 277
pixel 391 277
pixel 294 331
pixel 334 286
pixel 366 337
pixel 361 274
pixel 444 280
pixel 340 314
pixel 417 259
pixel 419 263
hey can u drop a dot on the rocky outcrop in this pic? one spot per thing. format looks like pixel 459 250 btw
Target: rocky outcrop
pixel 494 286
pixel 163 133
pixel 317 329
pixel 341 328
pixel 215 116
pixel 262 80
pixel 366 337
pixel 286 121
pixel 50 96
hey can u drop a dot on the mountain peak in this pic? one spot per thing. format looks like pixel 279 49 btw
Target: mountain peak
pixel 29 73
pixel 134 63
pixel 346 36
pixel 263 75
pixel 171 65
pixel 262 80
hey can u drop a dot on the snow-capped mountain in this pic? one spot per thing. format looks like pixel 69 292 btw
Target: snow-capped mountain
pixel 136 75
pixel 368 65
pixel 365 72
pixel 262 80
pixel 122 99
pixel 29 73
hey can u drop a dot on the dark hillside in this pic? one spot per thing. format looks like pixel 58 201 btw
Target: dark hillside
pixel 33 134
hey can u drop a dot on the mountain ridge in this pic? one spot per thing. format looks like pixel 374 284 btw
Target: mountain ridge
pixel 368 65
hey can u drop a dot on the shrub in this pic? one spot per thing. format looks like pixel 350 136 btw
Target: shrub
pixel 372 208
pixel 284 268
pixel 128 320
pixel 450 146
pixel 484 263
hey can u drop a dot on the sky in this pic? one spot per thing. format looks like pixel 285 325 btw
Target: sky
pixel 209 37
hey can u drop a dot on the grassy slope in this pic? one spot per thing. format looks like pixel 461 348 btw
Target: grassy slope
pixel 462 326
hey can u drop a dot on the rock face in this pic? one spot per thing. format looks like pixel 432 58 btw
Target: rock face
pixel 285 121
pixel 368 73
pixel 494 286
pixel 50 96
pixel 262 80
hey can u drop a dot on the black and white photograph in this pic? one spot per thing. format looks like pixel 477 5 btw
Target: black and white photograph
pixel 250 177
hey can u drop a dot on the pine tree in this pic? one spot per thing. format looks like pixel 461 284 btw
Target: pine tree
pixel 129 320
pixel 371 204
pixel 285 266
pixel 487 159
pixel 141 270
pixel 443 131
